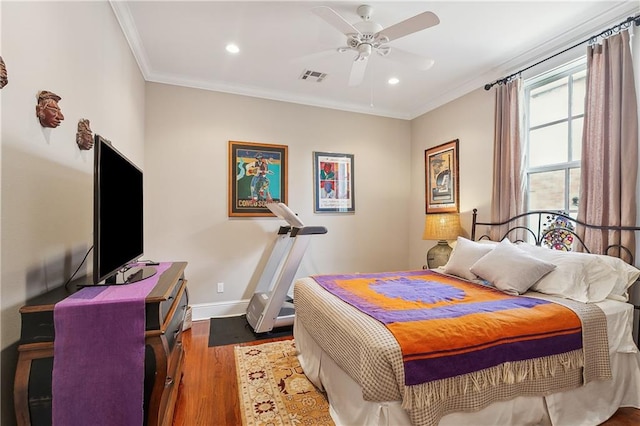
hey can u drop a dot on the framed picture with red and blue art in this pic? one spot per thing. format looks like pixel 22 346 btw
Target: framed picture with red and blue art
pixel 333 183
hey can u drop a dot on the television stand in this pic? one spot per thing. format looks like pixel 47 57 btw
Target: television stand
pixel 132 275
pixel 165 309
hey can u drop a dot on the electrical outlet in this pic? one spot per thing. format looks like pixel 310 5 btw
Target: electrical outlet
pixel 220 287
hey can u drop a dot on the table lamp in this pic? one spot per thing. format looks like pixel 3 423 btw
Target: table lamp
pixel 441 227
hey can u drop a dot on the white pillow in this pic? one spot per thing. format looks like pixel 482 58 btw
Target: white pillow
pixel 511 269
pixel 573 276
pixel 625 275
pixel 601 276
pixel 465 254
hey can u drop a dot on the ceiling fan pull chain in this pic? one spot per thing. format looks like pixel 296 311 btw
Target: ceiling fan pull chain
pixel 371 81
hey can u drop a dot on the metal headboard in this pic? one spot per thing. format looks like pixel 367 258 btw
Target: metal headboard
pixel 554 229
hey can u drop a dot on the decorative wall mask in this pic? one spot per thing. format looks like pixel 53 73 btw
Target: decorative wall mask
pixel 84 137
pixel 47 110
pixel 3 74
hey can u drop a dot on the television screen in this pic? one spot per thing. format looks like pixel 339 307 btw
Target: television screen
pixel 118 219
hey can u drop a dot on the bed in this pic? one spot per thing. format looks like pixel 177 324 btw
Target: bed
pixel 572 369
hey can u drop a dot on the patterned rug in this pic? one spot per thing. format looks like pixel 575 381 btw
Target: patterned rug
pixel 273 390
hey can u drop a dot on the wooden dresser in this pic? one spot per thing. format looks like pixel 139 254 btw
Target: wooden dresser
pixel 165 310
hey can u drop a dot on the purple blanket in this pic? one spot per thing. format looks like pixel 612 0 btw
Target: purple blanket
pixel 99 348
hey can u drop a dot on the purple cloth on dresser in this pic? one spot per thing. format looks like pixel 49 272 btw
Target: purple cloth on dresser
pixel 99 347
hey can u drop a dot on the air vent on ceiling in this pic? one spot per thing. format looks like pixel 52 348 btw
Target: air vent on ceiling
pixel 316 76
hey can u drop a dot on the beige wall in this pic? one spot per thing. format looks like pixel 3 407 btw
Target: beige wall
pixel 47 182
pixel 470 120
pixel 186 155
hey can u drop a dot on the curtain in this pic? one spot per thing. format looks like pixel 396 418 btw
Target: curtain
pixel 609 146
pixel 508 161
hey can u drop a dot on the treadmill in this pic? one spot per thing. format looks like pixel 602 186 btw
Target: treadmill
pixel 269 306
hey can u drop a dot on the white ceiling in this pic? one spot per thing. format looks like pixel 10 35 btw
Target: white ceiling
pixel 476 42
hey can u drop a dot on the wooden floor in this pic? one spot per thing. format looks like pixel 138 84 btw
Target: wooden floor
pixel 209 392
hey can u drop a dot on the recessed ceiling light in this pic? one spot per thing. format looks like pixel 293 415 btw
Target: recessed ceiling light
pixel 232 48
pixel 393 80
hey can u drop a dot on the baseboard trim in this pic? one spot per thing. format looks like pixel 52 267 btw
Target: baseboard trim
pixel 204 311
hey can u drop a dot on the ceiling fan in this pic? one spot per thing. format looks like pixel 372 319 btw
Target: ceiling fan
pixel 367 36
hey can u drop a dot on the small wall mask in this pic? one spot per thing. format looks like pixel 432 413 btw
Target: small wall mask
pixel 84 137
pixel 4 80
pixel 47 110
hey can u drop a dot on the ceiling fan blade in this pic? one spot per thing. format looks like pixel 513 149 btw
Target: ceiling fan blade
pixel 357 72
pixel 410 26
pixel 411 59
pixel 332 18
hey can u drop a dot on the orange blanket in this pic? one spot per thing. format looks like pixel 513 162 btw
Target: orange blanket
pixel 448 327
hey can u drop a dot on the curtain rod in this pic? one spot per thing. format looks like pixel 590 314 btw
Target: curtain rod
pixel 615 29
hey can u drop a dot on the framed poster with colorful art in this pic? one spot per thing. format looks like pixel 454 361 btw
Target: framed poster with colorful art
pixel 333 183
pixel 257 175
pixel 441 178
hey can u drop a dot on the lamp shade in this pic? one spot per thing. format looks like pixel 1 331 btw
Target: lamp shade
pixel 441 226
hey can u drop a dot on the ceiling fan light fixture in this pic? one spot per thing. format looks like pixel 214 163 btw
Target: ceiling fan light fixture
pixel 353 42
pixel 381 38
pixel 383 50
pixel 365 49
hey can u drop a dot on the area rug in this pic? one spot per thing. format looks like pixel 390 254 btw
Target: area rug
pixel 273 390
pixel 234 330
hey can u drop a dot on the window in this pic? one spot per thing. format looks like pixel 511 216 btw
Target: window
pixel 554 113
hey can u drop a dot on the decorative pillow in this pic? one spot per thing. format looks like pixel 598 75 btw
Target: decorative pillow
pixel 598 276
pixel 511 269
pixel 465 254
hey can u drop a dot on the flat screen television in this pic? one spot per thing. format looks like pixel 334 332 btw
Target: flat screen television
pixel 117 217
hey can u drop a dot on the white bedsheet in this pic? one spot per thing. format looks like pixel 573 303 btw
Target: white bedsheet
pixel 589 405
